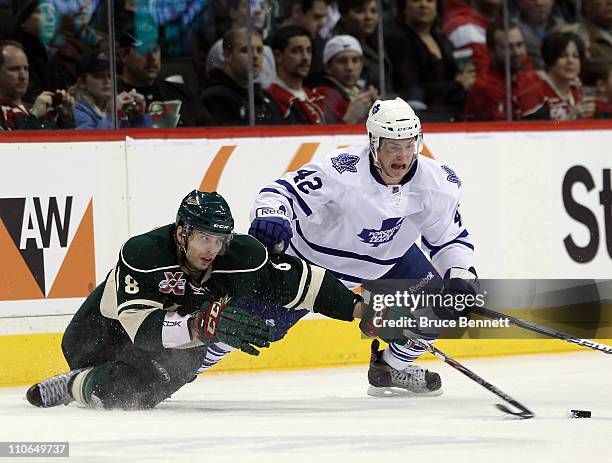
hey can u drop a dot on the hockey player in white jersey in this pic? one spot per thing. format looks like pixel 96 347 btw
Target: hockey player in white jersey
pixel 358 212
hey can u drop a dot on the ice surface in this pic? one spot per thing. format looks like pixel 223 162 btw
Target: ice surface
pixel 324 415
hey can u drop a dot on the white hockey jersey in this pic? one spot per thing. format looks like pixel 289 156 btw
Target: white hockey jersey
pixel 345 219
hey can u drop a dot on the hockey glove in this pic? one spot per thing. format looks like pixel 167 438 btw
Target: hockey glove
pixel 395 324
pixel 461 281
pixel 271 231
pixel 231 325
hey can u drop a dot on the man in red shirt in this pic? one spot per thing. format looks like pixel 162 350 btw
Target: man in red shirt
pixel 51 110
pixel 292 49
pixel 486 99
pixel 465 23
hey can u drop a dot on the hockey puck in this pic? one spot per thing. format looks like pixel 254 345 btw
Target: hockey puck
pixel 580 413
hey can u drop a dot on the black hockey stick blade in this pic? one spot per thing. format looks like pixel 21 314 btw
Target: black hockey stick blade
pixel 544 330
pixel 524 414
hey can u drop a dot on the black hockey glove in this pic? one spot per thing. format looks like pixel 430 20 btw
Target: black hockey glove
pixel 387 323
pixel 231 325
pixel 461 281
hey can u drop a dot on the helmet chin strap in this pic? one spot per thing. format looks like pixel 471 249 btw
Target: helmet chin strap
pixel 182 247
pixel 374 144
pixel 184 234
pixel 182 257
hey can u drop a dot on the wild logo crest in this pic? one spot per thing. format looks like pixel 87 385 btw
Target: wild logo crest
pixel 173 283
pixel 47 246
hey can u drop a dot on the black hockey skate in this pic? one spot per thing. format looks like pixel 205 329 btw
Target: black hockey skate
pixel 53 391
pixel 413 381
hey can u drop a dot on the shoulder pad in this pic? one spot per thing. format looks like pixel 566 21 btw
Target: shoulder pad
pixel 150 251
pixel 245 254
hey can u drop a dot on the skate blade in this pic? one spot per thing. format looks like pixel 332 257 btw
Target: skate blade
pixel 375 391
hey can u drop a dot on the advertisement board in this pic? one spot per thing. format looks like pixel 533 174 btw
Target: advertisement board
pixel 538 204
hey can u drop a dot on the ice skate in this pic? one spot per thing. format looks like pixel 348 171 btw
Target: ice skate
pixel 413 381
pixel 52 391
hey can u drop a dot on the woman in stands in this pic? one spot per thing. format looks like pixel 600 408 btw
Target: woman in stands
pixel 557 95
pixel 359 18
pixel 424 71
pixel 77 37
pixel 93 98
pixel 35 26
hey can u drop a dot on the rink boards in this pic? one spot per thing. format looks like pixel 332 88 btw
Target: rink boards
pixel 534 202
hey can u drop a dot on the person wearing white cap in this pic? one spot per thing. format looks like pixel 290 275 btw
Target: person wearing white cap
pixel 345 100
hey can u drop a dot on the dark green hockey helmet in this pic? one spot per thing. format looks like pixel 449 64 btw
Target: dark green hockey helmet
pixel 207 212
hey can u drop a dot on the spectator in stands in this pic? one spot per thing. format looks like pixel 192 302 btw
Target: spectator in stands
pixel 597 16
pixel 557 95
pixel 217 22
pixel 536 19
pixel 227 90
pixel 35 28
pixel 220 17
pixel 49 111
pixel 239 17
pixel 333 16
pixel 359 18
pixel 293 52
pixel 465 24
pixel 77 37
pixel 568 10
pixel 170 104
pixel 486 100
pixel 93 94
pixel 311 16
pixel 424 72
pixel 580 30
pixel 307 14
pixel 344 101
pixel 598 76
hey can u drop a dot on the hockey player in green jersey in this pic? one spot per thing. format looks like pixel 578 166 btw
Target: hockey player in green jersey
pixel 144 332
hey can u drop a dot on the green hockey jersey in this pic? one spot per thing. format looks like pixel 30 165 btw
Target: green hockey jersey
pixel 149 297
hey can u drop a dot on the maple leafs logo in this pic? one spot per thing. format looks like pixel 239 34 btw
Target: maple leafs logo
pixel 345 163
pixel 386 233
pixel 452 176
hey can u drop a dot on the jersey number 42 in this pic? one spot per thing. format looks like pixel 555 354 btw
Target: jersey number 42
pixel 305 185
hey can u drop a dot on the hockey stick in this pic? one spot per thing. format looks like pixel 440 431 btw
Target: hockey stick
pixel 524 412
pixel 543 330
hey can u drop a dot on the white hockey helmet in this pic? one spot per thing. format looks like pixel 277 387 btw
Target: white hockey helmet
pixel 392 119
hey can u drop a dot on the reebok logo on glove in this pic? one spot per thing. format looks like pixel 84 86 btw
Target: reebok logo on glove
pixel 269 212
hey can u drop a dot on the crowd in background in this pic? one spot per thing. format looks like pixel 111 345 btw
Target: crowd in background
pixel 185 63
